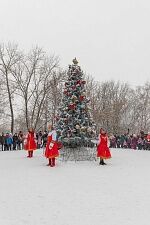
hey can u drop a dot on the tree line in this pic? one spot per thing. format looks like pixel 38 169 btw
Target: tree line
pixel 31 89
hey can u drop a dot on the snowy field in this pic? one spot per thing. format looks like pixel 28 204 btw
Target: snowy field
pixel 82 193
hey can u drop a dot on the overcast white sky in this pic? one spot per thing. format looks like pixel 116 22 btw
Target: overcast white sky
pixel 110 38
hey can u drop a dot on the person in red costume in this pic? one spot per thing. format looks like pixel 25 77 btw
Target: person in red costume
pixel 148 141
pixel 51 151
pixel 30 142
pixel 103 147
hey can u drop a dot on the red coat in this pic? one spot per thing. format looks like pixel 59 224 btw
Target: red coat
pixel 30 142
pixel 102 148
pixel 51 150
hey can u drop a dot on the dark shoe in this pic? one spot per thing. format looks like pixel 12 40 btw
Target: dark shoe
pixel 102 162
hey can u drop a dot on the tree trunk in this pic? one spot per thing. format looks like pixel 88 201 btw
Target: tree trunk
pixel 26 113
pixel 10 104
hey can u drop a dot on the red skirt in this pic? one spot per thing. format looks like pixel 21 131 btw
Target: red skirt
pixel 30 145
pixel 103 152
pixel 53 152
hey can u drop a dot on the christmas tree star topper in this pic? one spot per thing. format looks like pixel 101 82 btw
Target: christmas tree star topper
pixel 75 61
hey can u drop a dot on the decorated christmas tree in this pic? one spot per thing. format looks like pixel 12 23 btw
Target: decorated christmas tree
pixel 74 124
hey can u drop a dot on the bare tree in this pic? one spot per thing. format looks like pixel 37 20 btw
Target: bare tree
pixel 54 96
pixel 9 56
pixel 33 77
pixel 139 112
pixel 108 103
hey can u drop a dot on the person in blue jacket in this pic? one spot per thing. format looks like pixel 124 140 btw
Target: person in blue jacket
pixel 8 141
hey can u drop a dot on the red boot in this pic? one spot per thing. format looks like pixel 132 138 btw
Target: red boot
pixel 29 154
pixel 49 163
pixel 53 161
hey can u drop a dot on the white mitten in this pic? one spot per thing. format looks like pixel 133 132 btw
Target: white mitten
pixel 51 145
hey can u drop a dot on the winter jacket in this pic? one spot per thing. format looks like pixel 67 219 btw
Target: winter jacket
pixel 2 139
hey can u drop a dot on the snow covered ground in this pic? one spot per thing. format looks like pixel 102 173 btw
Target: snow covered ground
pixel 82 193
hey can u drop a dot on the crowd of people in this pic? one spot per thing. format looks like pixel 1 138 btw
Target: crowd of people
pixel 136 142
pixel 15 141
pixel 141 141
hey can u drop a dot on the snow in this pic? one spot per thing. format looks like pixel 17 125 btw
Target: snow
pixel 81 193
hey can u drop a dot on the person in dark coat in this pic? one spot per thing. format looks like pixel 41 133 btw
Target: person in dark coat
pixel 20 140
pixel 2 141
pixel 140 143
pixel 118 141
pixel 39 139
pixel 134 142
pixel 122 141
pixel 44 137
pixel 15 141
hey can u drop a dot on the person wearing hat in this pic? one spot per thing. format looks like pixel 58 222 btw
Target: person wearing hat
pixel 51 151
pixel 103 151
